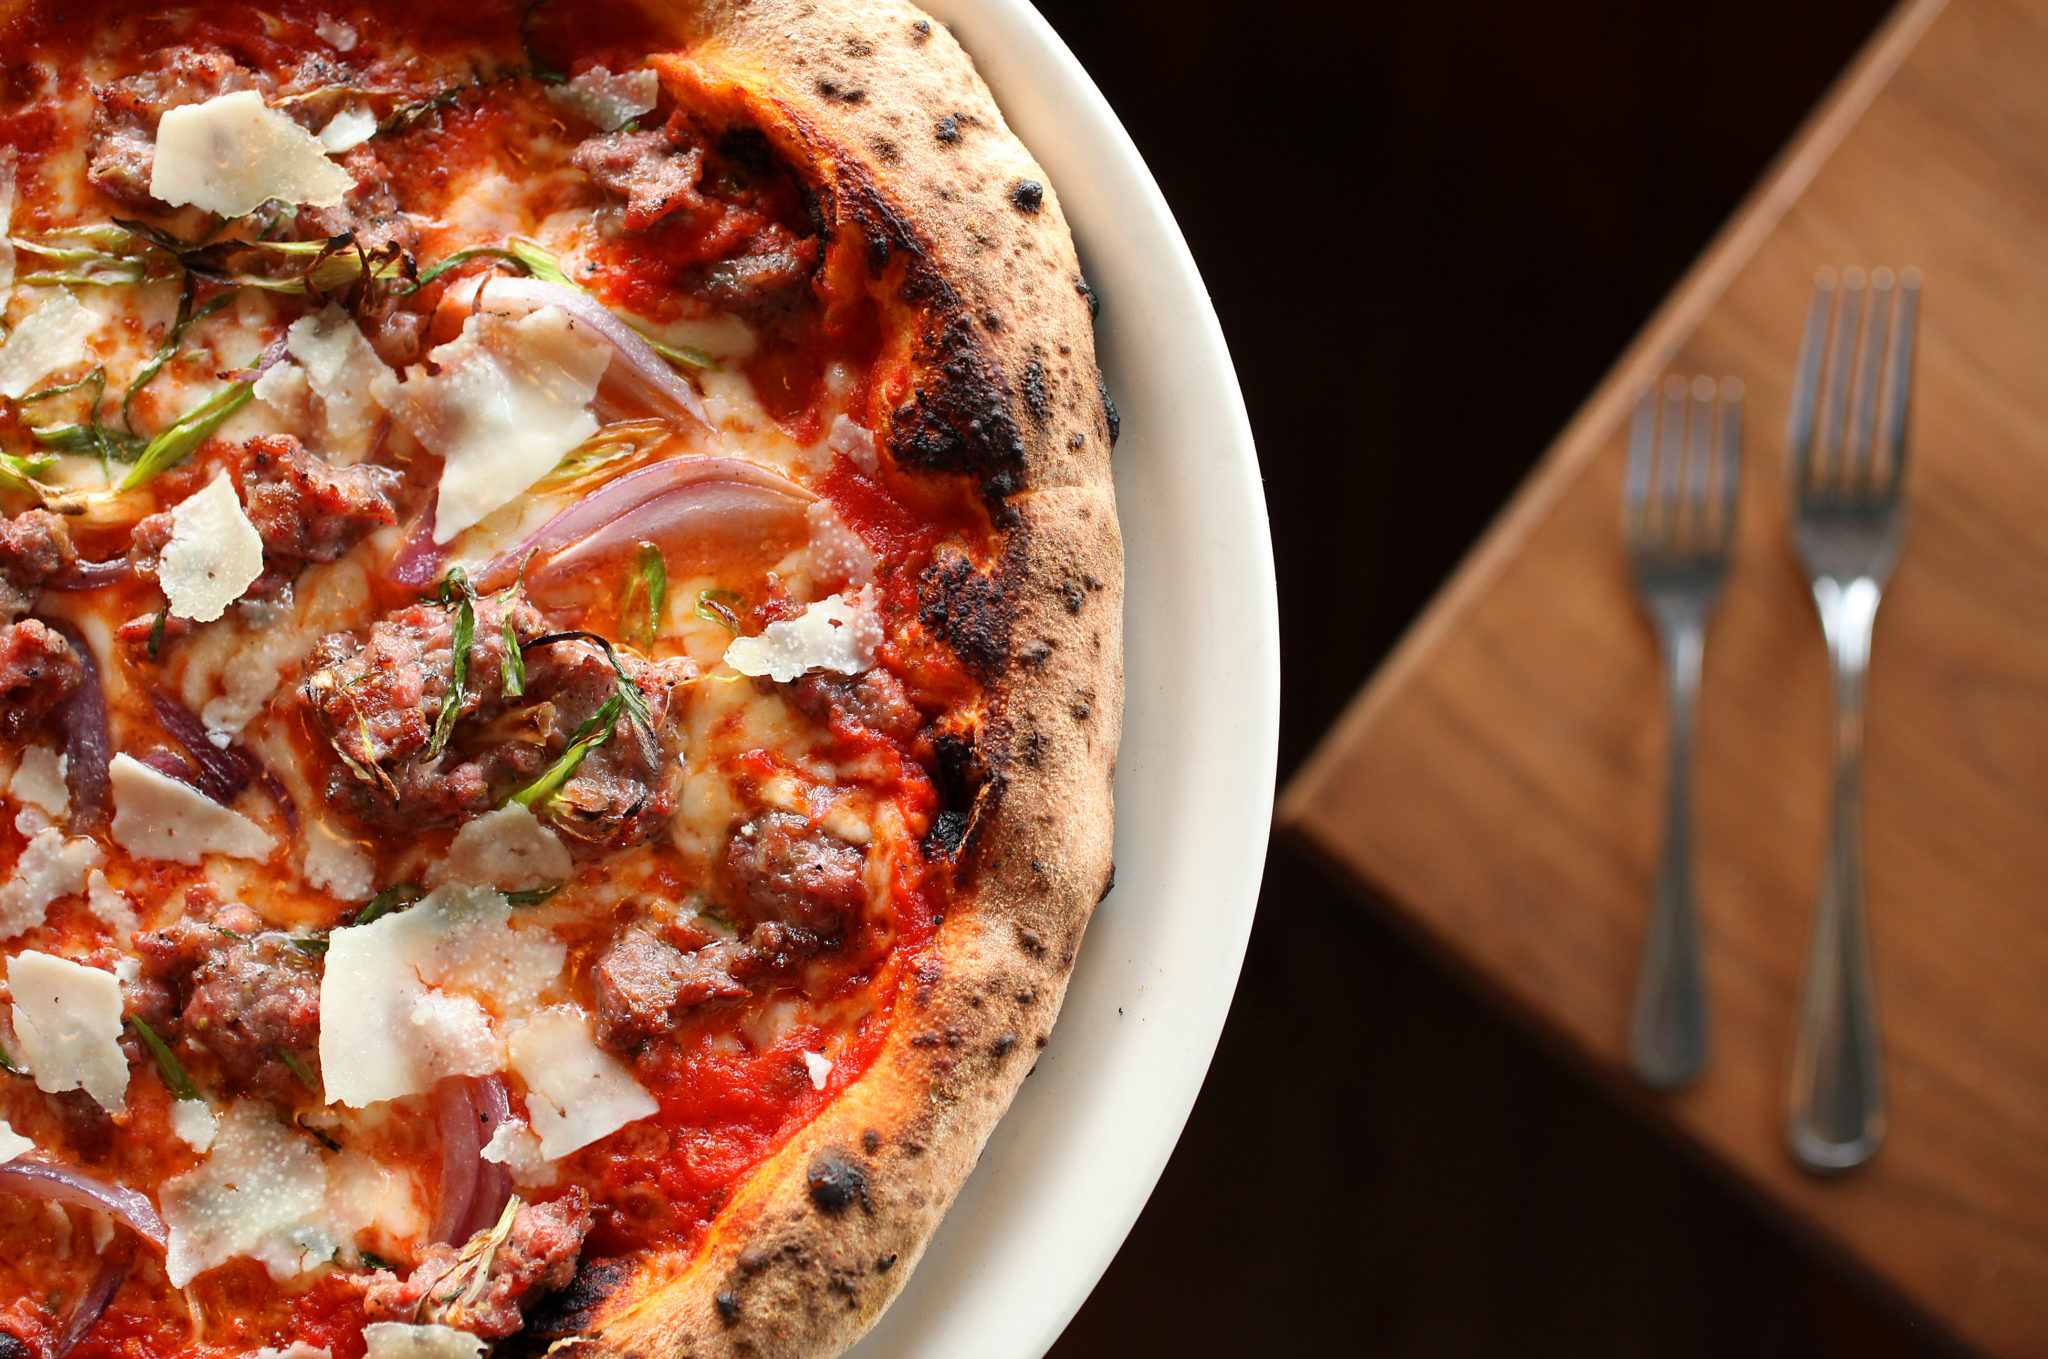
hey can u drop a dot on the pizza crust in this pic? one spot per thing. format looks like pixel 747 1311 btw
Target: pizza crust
pixel 879 109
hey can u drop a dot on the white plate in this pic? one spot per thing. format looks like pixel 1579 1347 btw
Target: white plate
pixel 1069 1168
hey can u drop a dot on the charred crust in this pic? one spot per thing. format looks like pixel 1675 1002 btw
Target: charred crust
pixel 923 29
pixel 568 1311
pixel 948 129
pixel 870 1141
pixel 1031 941
pixel 886 1263
pixel 836 1181
pixel 1035 654
pixel 967 610
pixel 1088 296
pixel 1035 397
pixel 958 420
pixel 1003 1045
pixel 1109 415
pixel 728 1306
pixel 832 89
pixel 1108 885
pixel 947 834
pixel 1027 195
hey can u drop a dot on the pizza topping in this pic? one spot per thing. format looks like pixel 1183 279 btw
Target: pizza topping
pixel 483 1286
pixel 251 998
pixel 195 1123
pixel 68 1184
pixel 53 338
pixel 38 781
pixel 397 1340
pixel 610 101
pixel 797 874
pixel 641 380
pixel 473 1191
pixel 576 1092
pixel 655 172
pixel 50 868
pixel 261 1192
pixel 213 552
pixel 12 1143
pixel 506 400
pixel 396 1016
pixel 234 153
pixel 38 672
pixel 123 147
pixel 508 849
pixel 553 745
pixel 339 365
pixel 157 817
pixel 835 633
pixel 347 129
pixel 67 1020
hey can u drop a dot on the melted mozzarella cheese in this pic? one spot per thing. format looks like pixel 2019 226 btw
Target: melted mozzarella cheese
pixel 50 868
pixel 507 400
pixel 67 1019
pixel 157 817
pixel 820 1068
pixel 835 633
pixel 213 555
pixel 233 153
pixel 508 849
pixel 389 1029
pixel 576 1092
pixel 52 339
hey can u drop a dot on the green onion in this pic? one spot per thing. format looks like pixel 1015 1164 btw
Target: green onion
pixel 515 661
pixel 594 732
pixel 167 1062
pixel 187 318
pixel 534 896
pixel 371 1260
pixel 396 897
pixel 156 630
pixel 719 607
pixel 314 947
pixel 20 474
pixel 406 114
pixel 463 641
pixel 651 582
pixel 299 1069
pixel 626 687
pixel 194 428
pixel 7 1064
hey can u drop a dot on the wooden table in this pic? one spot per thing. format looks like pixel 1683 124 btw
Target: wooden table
pixel 1498 784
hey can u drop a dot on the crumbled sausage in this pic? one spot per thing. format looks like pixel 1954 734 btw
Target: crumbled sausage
pixel 537 1256
pixel 793 873
pixel 644 985
pixel 122 152
pixel 38 671
pixel 377 699
pixel 655 172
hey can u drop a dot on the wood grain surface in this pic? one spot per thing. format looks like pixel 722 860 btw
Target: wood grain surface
pixel 1499 781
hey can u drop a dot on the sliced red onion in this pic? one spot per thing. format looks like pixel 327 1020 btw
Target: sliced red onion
pixel 287 805
pixel 88 742
pixel 419 560
pixel 220 774
pixel 635 364
pixel 690 498
pixel 170 764
pixel 493 1178
pixel 461 1157
pixel 92 1304
pixel 85 575
pixel 64 1184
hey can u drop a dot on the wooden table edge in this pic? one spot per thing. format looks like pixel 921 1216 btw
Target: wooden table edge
pixel 1644 359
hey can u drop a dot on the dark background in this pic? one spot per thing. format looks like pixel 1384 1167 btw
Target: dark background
pixel 1429 227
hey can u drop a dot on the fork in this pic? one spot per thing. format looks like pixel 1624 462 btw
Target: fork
pixel 1678 516
pixel 1847 439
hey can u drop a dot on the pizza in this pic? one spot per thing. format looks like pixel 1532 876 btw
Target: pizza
pixel 559 668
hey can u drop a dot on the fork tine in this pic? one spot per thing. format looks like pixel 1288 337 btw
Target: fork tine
pixel 1806 384
pixel 1899 375
pixel 1642 445
pixel 1670 458
pixel 1730 456
pixel 1859 473
pixel 1699 459
pixel 1841 368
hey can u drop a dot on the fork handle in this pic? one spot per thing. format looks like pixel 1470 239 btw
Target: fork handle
pixel 1668 1027
pixel 1837 1112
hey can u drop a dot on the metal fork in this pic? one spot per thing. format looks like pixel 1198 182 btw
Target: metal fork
pixel 1678 515
pixel 1848 445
